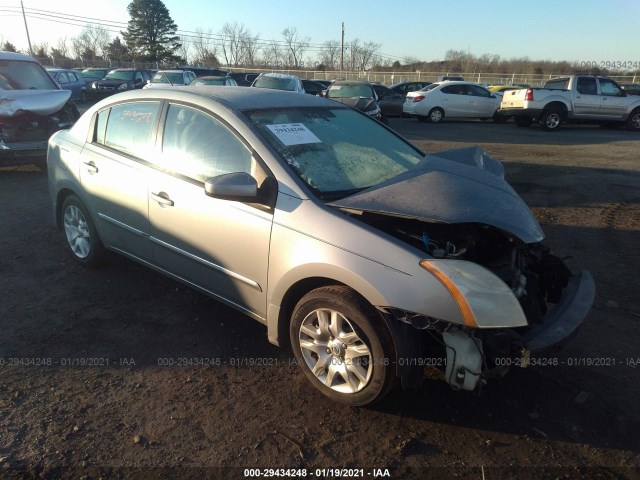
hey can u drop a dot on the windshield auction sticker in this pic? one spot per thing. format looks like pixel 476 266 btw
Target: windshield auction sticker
pixel 293 134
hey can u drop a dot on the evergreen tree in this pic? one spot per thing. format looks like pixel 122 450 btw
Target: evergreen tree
pixel 151 32
pixel 8 47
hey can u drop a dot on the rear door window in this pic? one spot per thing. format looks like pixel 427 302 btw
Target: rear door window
pixel 128 128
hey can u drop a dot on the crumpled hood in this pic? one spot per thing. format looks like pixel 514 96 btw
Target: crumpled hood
pixel 454 186
pixel 39 102
pixel 359 103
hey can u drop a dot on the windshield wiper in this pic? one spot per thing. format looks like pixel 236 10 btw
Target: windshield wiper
pixel 339 194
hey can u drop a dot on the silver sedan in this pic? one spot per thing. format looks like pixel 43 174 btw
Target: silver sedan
pixel 366 256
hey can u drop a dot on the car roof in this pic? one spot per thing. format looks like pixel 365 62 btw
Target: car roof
pixel 16 56
pixel 55 69
pixel 212 77
pixel 172 71
pixel 234 98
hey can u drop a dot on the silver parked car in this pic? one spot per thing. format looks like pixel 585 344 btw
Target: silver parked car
pixel 345 240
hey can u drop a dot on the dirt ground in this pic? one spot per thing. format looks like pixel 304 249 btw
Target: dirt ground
pixel 90 385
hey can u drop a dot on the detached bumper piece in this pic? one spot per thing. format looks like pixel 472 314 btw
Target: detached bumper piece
pixel 566 318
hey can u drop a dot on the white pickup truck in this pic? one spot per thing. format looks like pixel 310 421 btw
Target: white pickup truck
pixel 574 98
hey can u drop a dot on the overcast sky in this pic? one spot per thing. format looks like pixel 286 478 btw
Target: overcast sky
pixel 581 30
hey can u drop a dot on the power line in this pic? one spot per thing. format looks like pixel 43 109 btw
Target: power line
pixel 110 26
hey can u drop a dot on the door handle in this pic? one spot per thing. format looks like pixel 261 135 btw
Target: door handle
pixel 162 199
pixel 91 167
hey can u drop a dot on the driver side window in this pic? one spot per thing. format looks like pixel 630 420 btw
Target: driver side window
pixel 199 146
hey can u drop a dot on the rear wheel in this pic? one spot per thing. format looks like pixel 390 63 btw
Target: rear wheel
pixel 342 346
pixel 80 233
pixel 436 115
pixel 633 122
pixel 551 119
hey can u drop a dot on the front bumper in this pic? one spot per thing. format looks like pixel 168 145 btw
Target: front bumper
pixel 565 319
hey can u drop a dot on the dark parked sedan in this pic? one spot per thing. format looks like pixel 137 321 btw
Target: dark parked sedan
pixel 90 75
pixel 312 87
pixel 72 81
pixel 390 102
pixel 357 94
pixel 406 87
pixel 119 80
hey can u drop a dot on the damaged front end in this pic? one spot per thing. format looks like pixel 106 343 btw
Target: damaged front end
pixel 514 297
pixel 25 134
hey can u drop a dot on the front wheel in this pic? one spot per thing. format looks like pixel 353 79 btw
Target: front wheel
pixel 342 346
pixel 80 233
pixel 633 122
pixel 551 119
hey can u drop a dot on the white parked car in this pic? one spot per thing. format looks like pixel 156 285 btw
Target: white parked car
pixel 168 78
pixel 452 99
pixel 279 81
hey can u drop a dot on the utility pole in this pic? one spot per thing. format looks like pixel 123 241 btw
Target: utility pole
pixel 26 28
pixel 342 50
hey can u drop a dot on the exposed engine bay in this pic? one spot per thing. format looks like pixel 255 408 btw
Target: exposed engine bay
pixel 536 277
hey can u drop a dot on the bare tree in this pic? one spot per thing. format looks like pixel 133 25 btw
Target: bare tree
pixel 296 46
pixel 91 42
pixel 330 54
pixel 232 42
pixel 250 46
pixel 365 54
pixel 183 50
pixel 206 51
pixel 272 54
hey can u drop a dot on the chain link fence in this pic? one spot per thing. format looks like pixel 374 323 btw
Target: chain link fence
pixel 385 77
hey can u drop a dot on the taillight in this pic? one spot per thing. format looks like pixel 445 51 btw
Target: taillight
pixel 418 98
pixel 529 95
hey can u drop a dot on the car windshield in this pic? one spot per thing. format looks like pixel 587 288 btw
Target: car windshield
pixel 335 151
pixel 24 75
pixel 277 83
pixel 120 75
pixel 168 77
pixel 93 73
pixel 211 81
pixel 349 91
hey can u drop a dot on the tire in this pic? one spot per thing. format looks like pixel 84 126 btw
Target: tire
pixel 500 119
pixel 523 121
pixel 633 122
pixel 342 346
pixel 436 115
pixel 551 119
pixel 80 233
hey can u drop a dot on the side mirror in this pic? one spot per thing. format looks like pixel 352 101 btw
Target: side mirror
pixel 238 186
